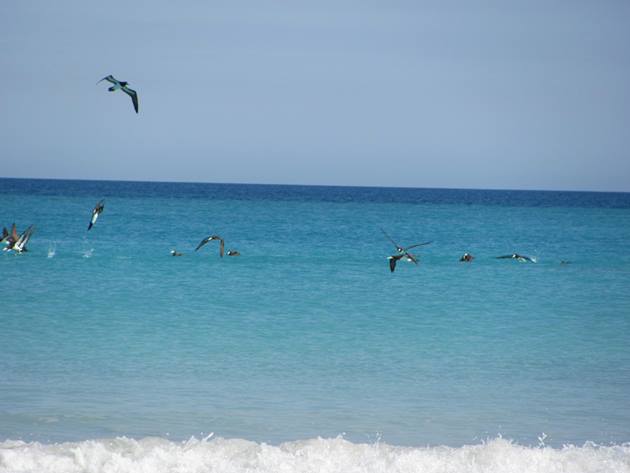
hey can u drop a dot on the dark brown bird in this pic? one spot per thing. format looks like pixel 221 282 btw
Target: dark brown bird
pixel 233 253
pixel 403 249
pixel 466 258
pixel 210 238
pixel 394 259
pixel 517 257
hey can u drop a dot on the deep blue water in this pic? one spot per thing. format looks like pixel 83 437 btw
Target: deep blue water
pixel 308 333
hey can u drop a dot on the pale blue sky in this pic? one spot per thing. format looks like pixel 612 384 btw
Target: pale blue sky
pixel 531 95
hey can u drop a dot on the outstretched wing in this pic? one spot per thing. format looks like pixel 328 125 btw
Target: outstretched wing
pixel 411 257
pixel 527 258
pixel 418 244
pixel 390 239
pixel 108 78
pixel 134 96
pixel 392 262
pixel 203 242
pixel 221 247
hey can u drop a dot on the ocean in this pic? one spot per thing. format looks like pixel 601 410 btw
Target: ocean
pixel 306 353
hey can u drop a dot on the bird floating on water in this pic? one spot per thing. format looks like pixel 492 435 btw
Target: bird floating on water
pixel 176 253
pixel 210 238
pixel 98 209
pixel 121 85
pixel 233 253
pixel 466 258
pixel 517 257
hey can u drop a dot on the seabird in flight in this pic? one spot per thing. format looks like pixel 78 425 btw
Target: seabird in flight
pixel 403 249
pixel 517 257
pixel 96 212
pixel 466 258
pixel 210 238
pixel 233 253
pixel 394 259
pixel 118 85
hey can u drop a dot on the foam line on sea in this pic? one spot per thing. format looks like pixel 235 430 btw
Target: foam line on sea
pixel 159 455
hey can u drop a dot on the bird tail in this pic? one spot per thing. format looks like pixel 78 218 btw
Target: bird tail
pixel 90 226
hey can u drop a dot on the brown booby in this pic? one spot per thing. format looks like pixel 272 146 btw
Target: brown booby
pixel 118 85
pixel 210 238
pixel 98 209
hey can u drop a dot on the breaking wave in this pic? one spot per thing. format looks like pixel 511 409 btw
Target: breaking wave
pixel 317 455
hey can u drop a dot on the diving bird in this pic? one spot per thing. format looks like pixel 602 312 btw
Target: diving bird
pixel 10 239
pixel 18 244
pixel 118 85
pixel 96 212
pixel 395 258
pixel 403 249
pixel 233 253
pixel 210 238
pixel 466 258
pixel 5 235
pixel 517 257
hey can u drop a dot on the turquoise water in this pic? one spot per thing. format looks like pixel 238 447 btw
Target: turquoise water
pixel 308 334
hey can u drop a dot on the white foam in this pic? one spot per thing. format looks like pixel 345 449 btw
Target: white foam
pixel 156 455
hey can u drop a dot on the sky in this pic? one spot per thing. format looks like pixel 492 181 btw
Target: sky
pixel 459 94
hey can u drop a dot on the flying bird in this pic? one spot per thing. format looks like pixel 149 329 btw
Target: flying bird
pixel 517 257
pixel 395 258
pixel 118 85
pixel 403 249
pixel 96 212
pixel 210 238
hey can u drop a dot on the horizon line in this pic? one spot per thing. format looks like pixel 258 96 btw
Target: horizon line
pixel 311 185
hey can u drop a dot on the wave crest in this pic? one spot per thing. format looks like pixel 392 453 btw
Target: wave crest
pixel 317 455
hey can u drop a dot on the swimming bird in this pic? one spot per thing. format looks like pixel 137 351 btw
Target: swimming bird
pixel 96 212
pixel 233 253
pixel 176 253
pixel 403 249
pixel 210 238
pixel 467 258
pixel 18 244
pixel 395 258
pixel 517 257
pixel 118 85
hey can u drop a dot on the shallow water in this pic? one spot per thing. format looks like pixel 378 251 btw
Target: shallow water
pixel 308 334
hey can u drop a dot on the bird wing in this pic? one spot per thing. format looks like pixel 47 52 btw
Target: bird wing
pixel 411 257
pixel 108 78
pixel 14 235
pixel 390 238
pixel 5 234
pixel 418 244
pixel 134 96
pixel 203 242
pixel 393 260
pixel 527 258
pixel 221 247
